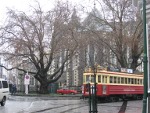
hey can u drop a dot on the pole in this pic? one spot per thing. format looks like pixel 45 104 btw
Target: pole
pixel 92 100
pixel 145 58
pixel 89 87
pixel 95 91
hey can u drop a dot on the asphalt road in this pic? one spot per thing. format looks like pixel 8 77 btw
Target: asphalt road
pixel 19 104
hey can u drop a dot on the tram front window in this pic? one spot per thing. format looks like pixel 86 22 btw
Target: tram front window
pixel 87 78
pixel 92 78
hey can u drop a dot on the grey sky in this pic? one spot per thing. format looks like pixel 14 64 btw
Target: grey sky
pixel 23 5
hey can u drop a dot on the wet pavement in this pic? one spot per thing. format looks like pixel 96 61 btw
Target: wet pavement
pixel 64 105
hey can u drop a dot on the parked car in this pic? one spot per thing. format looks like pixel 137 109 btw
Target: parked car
pixel 4 91
pixel 66 91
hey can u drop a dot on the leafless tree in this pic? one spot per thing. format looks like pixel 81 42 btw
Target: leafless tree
pixel 118 27
pixel 47 40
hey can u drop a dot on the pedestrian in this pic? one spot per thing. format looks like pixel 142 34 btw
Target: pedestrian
pixel 14 89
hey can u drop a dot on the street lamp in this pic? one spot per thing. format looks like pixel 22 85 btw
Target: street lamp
pixel 92 92
pixel 95 90
pixel 145 58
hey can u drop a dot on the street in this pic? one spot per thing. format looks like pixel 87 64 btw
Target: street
pixel 17 104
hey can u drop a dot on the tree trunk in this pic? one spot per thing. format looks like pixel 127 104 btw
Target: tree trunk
pixel 44 88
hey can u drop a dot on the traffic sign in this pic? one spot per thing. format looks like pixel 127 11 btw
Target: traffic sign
pixel 27 79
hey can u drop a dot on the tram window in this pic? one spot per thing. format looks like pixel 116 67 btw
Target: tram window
pixel 129 80
pixel 99 78
pixel 135 81
pixel 92 78
pixel 83 78
pixel 111 79
pixel 88 78
pixel 140 81
pixel 105 79
pixel 119 80
pixel 125 80
pixel 132 81
pixel 115 79
pixel 122 80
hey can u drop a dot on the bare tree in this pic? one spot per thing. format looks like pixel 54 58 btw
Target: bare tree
pixel 46 39
pixel 119 28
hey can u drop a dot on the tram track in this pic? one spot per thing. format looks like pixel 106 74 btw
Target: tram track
pixel 52 108
pixel 73 109
pixel 123 107
pixel 68 108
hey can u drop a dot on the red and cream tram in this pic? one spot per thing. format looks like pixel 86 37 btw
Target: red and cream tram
pixel 113 85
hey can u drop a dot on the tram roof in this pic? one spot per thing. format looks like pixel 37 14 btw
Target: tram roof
pixel 111 72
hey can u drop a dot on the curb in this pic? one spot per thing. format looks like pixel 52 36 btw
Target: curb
pixel 44 97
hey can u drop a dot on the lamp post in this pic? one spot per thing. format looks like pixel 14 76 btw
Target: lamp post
pixel 95 90
pixel 92 93
pixel 145 58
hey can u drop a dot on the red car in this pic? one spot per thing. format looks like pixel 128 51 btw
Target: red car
pixel 66 91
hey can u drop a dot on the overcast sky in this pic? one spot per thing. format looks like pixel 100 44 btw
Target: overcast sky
pixel 23 5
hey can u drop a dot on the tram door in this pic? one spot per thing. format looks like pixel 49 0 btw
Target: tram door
pixel 104 87
pixel 104 90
